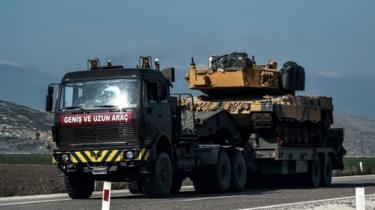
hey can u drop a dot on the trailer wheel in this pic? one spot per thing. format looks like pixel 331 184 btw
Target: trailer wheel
pixel 135 186
pixel 159 182
pixel 314 173
pixel 326 178
pixel 222 173
pixel 239 172
pixel 79 186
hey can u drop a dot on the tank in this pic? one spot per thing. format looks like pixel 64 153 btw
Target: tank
pixel 262 99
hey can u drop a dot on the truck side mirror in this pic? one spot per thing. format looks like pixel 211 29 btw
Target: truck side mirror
pixel 168 73
pixel 49 97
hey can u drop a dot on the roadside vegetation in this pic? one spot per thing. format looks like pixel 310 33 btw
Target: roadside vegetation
pixel 26 158
pixel 352 165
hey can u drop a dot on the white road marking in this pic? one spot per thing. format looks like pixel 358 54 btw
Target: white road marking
pixel 28 197
pixel 357 177
pixel 32 202
pixel 302 203
pixel 210 198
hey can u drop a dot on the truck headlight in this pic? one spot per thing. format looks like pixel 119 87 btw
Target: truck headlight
pixel 129 154
pixel 65 158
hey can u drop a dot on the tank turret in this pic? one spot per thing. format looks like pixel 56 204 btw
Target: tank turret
pixel 237 73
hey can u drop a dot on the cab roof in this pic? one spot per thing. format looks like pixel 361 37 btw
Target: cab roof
pixel 115 73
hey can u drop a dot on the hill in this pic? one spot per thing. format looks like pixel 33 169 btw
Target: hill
pixel 24 130
pixel 359 134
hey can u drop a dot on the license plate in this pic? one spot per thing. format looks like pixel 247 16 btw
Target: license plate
pixel 99 170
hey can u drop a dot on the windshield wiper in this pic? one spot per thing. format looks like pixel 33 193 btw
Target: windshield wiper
pixel 110 106
pixel 107 106
pixel 75 107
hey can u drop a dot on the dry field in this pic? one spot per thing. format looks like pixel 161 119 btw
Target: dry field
pixel 29 179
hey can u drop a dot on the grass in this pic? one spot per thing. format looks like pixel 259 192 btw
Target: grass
pixel 26 159
pixel 352 164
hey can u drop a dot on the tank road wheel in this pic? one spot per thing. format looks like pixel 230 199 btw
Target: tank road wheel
pixel 314 173
pixel 79 186
pixel 305 133
pixel 326 178
pixel 287 140
pixel 135 186
pixel 319 132
pixel 222 176
pixel 159 182
pixel 293 132
pixel 300 132
pixel 239 172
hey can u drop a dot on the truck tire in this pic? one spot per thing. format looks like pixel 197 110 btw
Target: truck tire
pixel 159 182
pixel 79 186
pixel 326 178
pixel 314 173
pixel 213 178
pixel 239 172
pixel 135 186
pixel 222 173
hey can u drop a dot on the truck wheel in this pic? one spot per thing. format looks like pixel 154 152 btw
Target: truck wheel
pixel 326 178
pixel 176 183
pixel 159 182
pixel 314 173
pixel 222 173
pixel 239 172
pixel 135 186
pixel 79 186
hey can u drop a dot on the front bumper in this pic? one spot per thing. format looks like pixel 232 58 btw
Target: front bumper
pixel 102 163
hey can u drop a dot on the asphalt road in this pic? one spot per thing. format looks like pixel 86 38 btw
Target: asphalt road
pixel 188 199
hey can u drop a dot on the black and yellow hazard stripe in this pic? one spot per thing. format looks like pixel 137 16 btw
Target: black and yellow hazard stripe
pixel 96 156
pixel 142 155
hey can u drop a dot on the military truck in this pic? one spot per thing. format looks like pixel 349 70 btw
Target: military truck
pixel 123 124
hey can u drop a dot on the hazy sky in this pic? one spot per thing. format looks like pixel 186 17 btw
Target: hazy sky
pixel 59 36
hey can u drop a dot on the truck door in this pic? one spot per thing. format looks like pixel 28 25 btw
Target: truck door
pixel 165 109
pixel 157 111
pixel 152 124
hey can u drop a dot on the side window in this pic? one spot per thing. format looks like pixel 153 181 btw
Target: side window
pixel 163 93
pixel 68 97
pixel 152 92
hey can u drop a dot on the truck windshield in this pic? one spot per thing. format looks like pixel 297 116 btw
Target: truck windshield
pixel 96 94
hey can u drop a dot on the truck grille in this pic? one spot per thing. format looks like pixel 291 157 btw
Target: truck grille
pixel 102 133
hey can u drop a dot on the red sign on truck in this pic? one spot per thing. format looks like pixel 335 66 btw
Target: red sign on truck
pixel 95 118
